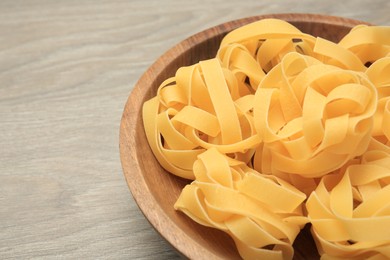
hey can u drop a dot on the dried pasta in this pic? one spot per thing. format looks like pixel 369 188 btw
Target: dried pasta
pixel 278 130
pixel 191 117
pixel 379 73
pixel 229 195
pixel 350 210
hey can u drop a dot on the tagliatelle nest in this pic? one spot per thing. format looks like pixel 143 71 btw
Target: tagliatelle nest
pixel 279 116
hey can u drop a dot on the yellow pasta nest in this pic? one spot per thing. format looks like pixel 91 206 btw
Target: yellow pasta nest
pixel 229 195
pixel 350 210
pixel 278 130
pixel 312 117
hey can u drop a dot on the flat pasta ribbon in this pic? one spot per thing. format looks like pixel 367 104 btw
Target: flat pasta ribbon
pixel 254 49
pixel 230 196
pixel 279 116
pixel 369 43
pixel 350 211
pixel 378 73
pixel 200 108
pixel 312 117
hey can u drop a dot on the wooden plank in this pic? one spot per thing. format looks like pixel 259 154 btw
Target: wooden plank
pixel 66 70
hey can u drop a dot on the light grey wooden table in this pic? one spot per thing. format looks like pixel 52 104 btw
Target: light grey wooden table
pixel 66 70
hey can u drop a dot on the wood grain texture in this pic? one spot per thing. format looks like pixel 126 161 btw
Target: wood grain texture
pixel 66 70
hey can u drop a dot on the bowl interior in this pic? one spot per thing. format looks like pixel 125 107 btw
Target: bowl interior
pixel 154 189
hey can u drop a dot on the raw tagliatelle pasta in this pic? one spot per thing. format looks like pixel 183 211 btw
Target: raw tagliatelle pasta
pixel 202 107
pixel 379 73
pixel 279 130
pixel 229 195
pixel 350 210
pixel 312 117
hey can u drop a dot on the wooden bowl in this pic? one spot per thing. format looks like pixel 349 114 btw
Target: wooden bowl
pixel 154 189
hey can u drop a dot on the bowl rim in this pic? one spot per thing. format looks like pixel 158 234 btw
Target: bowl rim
pixel 138 187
